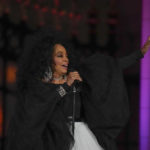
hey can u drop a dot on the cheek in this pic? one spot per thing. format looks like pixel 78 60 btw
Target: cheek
pixel 57 61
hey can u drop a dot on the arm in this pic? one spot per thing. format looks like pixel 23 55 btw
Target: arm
pixel 127 61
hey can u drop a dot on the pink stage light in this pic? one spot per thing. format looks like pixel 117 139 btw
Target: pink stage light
pixel 145 81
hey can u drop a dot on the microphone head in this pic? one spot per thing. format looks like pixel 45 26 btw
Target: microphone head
pixel 71 68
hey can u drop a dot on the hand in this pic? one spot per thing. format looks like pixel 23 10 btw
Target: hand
pixel 73 76
pixel 146 46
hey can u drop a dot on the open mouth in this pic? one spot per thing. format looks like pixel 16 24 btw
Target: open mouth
pixel 65 66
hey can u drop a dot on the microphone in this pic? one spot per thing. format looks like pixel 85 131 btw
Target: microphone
pixel 76 83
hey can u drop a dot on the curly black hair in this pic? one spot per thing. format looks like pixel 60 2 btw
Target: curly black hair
pixel 37 55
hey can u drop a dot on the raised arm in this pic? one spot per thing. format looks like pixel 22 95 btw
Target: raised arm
pixel 128 61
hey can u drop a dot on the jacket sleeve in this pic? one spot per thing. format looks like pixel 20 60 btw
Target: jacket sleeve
pixel 129 60
pixel 105 99
pixel 33 110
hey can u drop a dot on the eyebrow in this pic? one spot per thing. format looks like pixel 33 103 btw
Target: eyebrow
pixel 60 52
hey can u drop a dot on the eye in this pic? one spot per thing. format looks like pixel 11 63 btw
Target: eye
pixel 59 55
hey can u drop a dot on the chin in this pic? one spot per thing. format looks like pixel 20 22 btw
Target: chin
pixel 64 72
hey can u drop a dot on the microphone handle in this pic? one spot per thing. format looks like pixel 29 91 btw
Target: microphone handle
pixel 76 82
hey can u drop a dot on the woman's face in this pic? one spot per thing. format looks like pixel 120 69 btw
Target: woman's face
pixel 60 60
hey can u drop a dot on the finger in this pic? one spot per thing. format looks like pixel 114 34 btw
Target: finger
pixel 79 78
pixel 149 38
pixel 73 77
pixel 75 73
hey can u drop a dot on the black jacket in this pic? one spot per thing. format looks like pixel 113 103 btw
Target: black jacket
pixel 38 122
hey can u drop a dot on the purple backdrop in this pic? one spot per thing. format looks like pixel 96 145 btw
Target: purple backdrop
pixel 145 81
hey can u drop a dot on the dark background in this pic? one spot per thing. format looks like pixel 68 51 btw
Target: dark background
pixel 110 26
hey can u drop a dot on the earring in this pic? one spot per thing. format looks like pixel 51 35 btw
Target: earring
pixel 48 74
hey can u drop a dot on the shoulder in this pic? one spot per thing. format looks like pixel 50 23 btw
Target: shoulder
pixel 97 57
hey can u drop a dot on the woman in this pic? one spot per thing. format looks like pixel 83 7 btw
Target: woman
pixel 54 111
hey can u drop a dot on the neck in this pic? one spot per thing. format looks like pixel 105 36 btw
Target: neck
pixel 57 76
pixel 59 80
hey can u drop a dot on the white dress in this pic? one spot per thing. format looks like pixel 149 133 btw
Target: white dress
pixel 84 138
